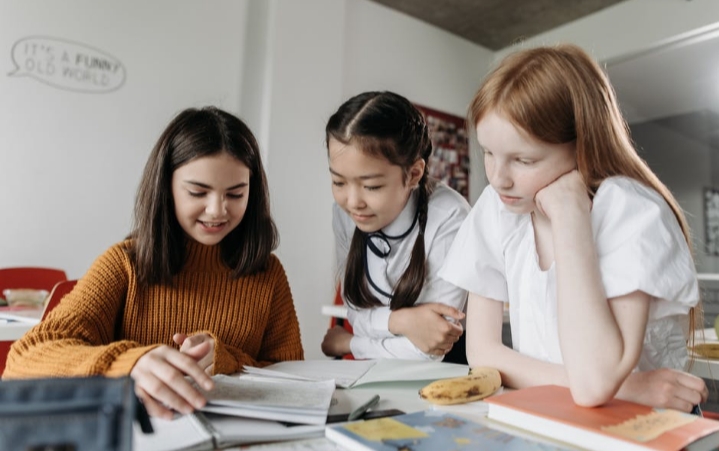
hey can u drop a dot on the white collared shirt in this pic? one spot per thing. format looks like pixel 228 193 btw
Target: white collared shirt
pixel 640 246
pixel 446 211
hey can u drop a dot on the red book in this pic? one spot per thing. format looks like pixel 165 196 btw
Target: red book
pixel 550 411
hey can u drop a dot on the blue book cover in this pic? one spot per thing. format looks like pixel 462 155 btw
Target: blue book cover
pixel 428 430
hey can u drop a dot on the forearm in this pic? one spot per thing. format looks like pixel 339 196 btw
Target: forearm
pixel 371 322
pixel 517 370
pixel 594 351
pixel 40 354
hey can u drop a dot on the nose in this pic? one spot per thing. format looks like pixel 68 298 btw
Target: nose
pixel 216 206
pixel 355 200
pixel 500 175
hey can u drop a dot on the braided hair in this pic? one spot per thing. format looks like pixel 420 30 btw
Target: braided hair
pixel 386 125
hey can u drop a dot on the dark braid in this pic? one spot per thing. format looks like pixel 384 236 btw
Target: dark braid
pixel 387 125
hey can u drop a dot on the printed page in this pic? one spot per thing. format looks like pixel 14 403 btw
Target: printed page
pixel 264 372
pixel 184 433
pixel 271 393
pixel 305 402
pixel 344 372
pixel 312 444
pixel 230 430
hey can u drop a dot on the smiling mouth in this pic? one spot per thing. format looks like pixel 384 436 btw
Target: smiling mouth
pixel 212 224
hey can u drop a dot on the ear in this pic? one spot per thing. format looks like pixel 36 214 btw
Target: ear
pixel 416 171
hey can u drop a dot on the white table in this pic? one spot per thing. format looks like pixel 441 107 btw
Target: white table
pixel 11 331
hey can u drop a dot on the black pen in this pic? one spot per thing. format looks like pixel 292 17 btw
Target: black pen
pixel 361 410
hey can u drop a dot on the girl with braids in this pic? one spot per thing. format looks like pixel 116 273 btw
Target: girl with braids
pixel 195 290
pixel 393 227
pixel 587 245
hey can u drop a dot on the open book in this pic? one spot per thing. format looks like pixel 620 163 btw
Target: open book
pixel 269 398
pixel 204 432
pixel 353 373
pixel 550 411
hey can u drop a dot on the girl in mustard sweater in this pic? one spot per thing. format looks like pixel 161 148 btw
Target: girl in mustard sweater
pixel 194 290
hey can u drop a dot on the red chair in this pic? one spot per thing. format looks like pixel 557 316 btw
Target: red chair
pixel 56 293
pixel 341 321
pixel 59 290
pixel 37 278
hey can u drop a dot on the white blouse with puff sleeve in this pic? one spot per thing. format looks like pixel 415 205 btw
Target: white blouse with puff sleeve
pixel 640 246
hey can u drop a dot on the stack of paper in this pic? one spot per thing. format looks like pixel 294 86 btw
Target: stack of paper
pixel 269 398
pixel 245 409
pixel 198 432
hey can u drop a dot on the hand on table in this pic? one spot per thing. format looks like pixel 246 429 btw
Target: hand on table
pixel 664 388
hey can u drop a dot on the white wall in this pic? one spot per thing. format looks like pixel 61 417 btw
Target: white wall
pixel 317 54
pixel 388 50
pixel 629 27
pixel 71 161
pixel 665 150
pixel 295 85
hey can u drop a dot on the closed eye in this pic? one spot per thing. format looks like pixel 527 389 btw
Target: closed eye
pixel 373 188
pixel 197 193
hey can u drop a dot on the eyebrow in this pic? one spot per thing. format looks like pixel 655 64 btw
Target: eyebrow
pixel 362 177
pixel 206 186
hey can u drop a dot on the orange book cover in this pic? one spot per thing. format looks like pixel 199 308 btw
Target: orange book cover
pixel 549 410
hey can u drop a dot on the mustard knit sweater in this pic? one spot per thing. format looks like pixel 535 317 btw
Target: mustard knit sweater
pixel 108 322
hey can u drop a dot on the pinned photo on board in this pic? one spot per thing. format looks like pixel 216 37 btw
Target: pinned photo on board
pixel 450 149
pixel 711 220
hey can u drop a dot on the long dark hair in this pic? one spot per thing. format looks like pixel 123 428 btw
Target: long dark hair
pixel 387 125
pixel 159 243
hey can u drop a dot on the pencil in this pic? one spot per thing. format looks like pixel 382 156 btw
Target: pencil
pixel 361 410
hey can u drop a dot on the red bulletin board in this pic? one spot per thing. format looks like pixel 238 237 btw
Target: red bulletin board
pixel 450 149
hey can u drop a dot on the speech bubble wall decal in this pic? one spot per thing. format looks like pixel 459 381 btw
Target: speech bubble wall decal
pixel 67 65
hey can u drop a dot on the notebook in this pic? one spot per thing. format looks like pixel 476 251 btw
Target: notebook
pixel 549 410
pixel 204 432
pixel 429 430
pixel 354 373
pixel 292 401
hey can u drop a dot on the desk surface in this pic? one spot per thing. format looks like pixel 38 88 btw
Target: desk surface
pixel 11 331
